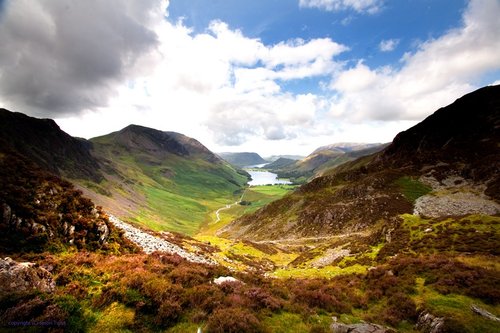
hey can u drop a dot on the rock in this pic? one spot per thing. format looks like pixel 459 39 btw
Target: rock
pixel 428 323
pixel 150 243
pixel 37 228
pixel 222 279
pixel 22 277
pixel 359 328
pixel 455 204
pixel 6 213
pixel 484 313
pixel 103 232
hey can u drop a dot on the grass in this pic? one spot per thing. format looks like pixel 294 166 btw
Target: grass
pixel 324 272
pixel 230 248
pixel 286 322
pixel 457 307
pixel 175 193
pixel 258 196
pixel 412 189
pixel 115 318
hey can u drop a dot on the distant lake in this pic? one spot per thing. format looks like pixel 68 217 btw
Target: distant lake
pixel 264 177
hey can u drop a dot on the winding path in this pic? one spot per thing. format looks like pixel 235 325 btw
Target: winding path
pixel 217 212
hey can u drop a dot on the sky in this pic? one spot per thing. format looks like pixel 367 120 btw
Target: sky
pixel 267 76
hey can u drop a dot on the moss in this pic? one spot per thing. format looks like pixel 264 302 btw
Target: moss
pixel 412 189
pixel 324 272
pixel 115 318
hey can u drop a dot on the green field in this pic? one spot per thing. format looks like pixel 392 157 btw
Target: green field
pixel 167 192
pixel 256 196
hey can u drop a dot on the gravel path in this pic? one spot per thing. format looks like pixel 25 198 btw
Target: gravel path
pixel 150 243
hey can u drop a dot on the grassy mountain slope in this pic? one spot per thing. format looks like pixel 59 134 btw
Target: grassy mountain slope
pixel 163 180
pixel 454 153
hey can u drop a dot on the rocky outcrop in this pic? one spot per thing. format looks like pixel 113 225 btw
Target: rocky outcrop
pixel 359 328
pixel 453 196
pixel 429 323
pixel 62 230
pixel 150 243
pixel 23 277
pixel 454 204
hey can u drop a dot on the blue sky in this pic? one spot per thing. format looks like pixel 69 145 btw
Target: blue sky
pixel 273 21
pixel 274 76
pixel 402 24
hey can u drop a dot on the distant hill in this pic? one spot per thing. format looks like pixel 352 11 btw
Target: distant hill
pixel 289 157
pixel 280 163
pixel 346 147
pixel 323 159
pixel 243 159
pixel 447 165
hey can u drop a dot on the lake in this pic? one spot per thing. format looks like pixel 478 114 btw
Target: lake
pixel 264 177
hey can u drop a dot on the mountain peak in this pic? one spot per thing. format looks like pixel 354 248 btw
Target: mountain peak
pixel 45 143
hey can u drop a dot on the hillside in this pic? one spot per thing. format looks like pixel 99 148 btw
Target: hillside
pixel 322 159
pixel 163 180
pixel 403 240
pixel 452 156
pixel 243 159
pixel 41 212
pixel 280 163
pixel 42 141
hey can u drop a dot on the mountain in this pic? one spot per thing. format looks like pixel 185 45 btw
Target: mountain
pixel 42 141
pixel 164 180
pixel 243 159
pixel 280 163
pixel 447 165
pixel 323 159
pixel 346 147
pixel 290 157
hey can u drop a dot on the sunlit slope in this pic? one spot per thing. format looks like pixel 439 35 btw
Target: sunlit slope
pixel 163 180
pixel 447 165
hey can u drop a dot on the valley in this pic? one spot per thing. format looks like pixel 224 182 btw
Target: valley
pixel 157 233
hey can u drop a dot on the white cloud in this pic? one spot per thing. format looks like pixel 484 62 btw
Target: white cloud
pixel 221 87
pixel 230 91
pixel 368 6
pixel 388 45
pixel 84 49
pixel 440 71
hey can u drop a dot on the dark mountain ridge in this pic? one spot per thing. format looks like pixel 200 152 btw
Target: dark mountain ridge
pixel 46 144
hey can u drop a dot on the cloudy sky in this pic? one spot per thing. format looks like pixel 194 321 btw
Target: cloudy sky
pixel 271 76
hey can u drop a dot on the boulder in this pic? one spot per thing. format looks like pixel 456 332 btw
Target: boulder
pixel 429 323
pixel 359 328
pixel 23 277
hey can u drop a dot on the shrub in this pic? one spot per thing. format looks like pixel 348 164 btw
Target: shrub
pixel 168 313
pixel 399 307
pixel 233 320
